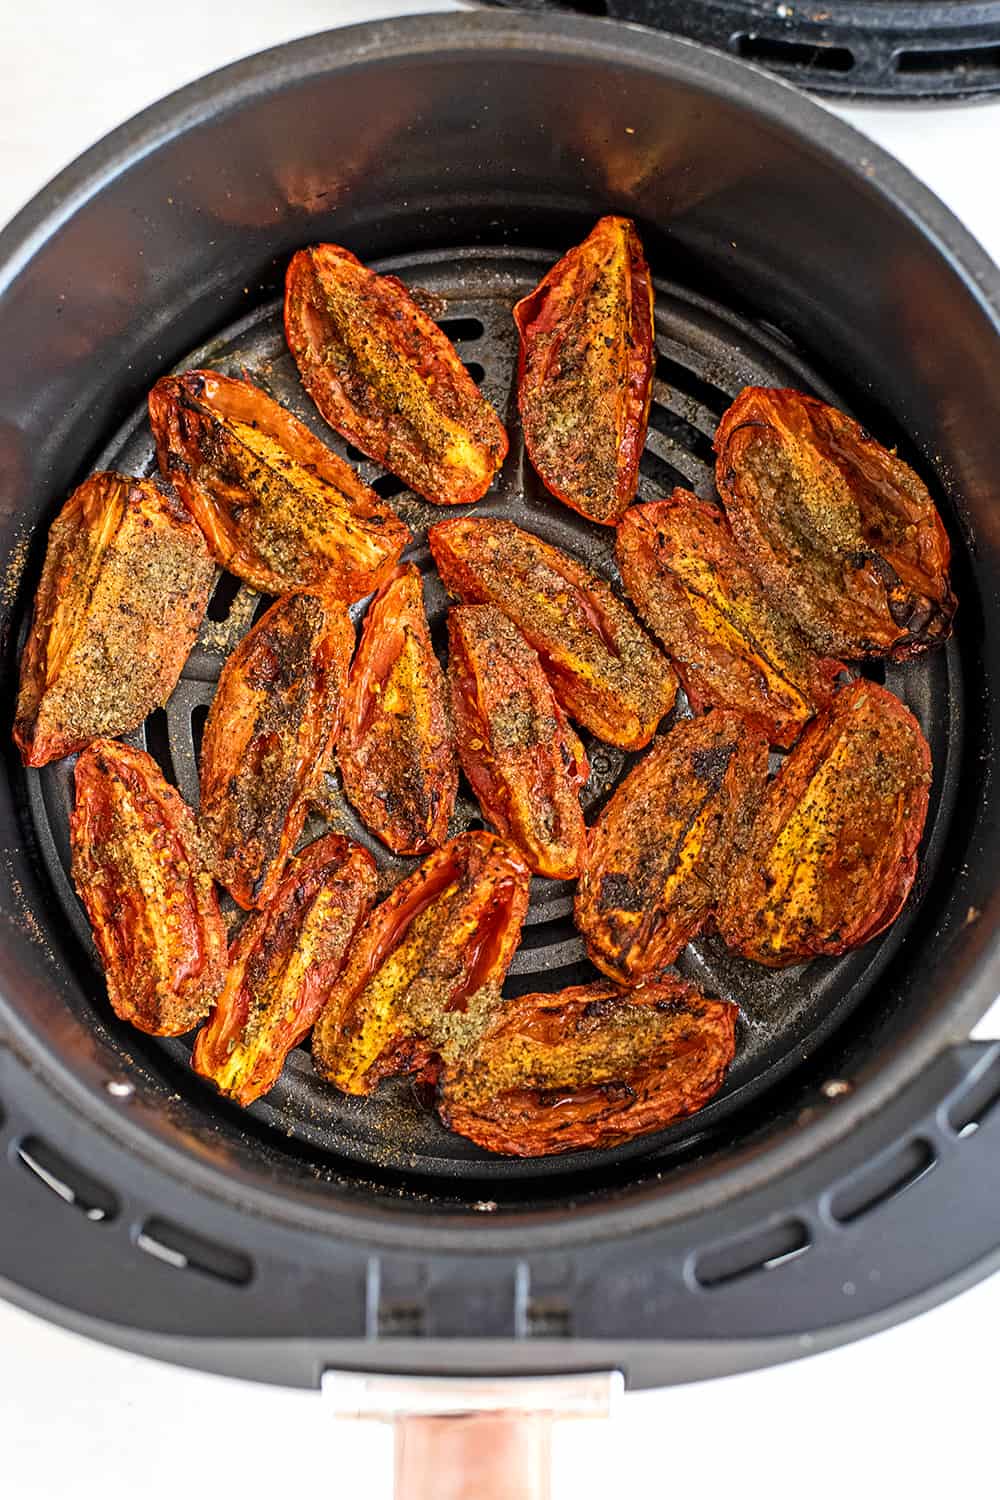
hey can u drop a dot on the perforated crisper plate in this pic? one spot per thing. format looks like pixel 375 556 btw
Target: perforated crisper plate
pixel 704 357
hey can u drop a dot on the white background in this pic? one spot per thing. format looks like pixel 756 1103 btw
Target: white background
pixel 908 1412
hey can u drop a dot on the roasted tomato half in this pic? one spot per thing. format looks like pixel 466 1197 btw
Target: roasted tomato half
pixel 833 852
pixel 386 377
pixel 519 755
pixel 396 754
pixel 124 588
pixel 730 643
pixel 282 965
pixel 589 1067
pixel 603 667
pixel 269 733
pixel 277 508
pixel 427 968
pixel 834 525
pixel 661 849
pixel 585 376
pixel 152 905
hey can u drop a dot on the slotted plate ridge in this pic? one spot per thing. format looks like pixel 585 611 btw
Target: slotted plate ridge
pixel 704 357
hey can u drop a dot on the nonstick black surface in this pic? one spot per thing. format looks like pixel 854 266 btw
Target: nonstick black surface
pixel 705 355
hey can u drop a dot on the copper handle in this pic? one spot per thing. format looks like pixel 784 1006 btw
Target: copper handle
pixel 491 1456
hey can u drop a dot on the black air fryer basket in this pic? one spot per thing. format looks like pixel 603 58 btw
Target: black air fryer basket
pixel 848 1174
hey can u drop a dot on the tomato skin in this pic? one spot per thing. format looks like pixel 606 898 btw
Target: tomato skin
pixel 604 669
pixel 661 848
pixel 519 754
pixel 585 373
pixel 282 963
pixel 589 1067
pixel 388 379
pixel 427 967
pixel 730 643
pixel 832 855
pixel 396 751
pixel 152 905
pixel 276 506
pixel 834 525
pixel 268 737
pixel 124 588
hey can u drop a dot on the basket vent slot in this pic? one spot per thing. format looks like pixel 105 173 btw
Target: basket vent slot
pixel 664 475
pixel 687 383
pixel 68 1181
pixel 199 718
pixel 682 434
pixel 462 330
pixel 387 486
pixel 976 60
pixel 978 1101
pixel 187 1251
pixel 476 372
pixel 777 52
pixel 158 743
pixel 223 597
pixel 883 1181
pixel 764 1250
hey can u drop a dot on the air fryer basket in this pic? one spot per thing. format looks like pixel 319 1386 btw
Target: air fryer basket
pixel 464 153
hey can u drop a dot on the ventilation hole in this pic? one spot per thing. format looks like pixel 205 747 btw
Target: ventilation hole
pixel 187 1251
pixel 476 371
pixel 223 597
pixel 263 605
pixel 873 670
pixel 462 330
pixel 663 475
pixel 355 454
pixel 973 1107
pixel 387 485
pixel 158 742
pixel 763 1251
pixel 777 53
pixel 400 1320
pixel 68 1181
pixel 199 716
pixel 950 60
pixel 883 1181
pixel 546 1318
pixel 681 379
pixel 682 434
pixel 439 639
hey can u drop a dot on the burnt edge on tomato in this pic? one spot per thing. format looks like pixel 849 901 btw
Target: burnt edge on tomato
pixel 660 850
pixel 137 866
pixel 522 760
pixel 396 750
pixel 589 1067
pixel 282 964
pixel 276 506
pixel 837 527
pixel 269 734
pixel 585 371
pixel 387 378
pixel 124 588
pixel 832 854
pixel 605 670
pixel 427 967
pixel 731 644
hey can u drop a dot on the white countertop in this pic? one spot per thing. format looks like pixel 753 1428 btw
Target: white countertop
pixel 904 1413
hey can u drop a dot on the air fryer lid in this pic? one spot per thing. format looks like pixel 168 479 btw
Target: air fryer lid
pixel 465 152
